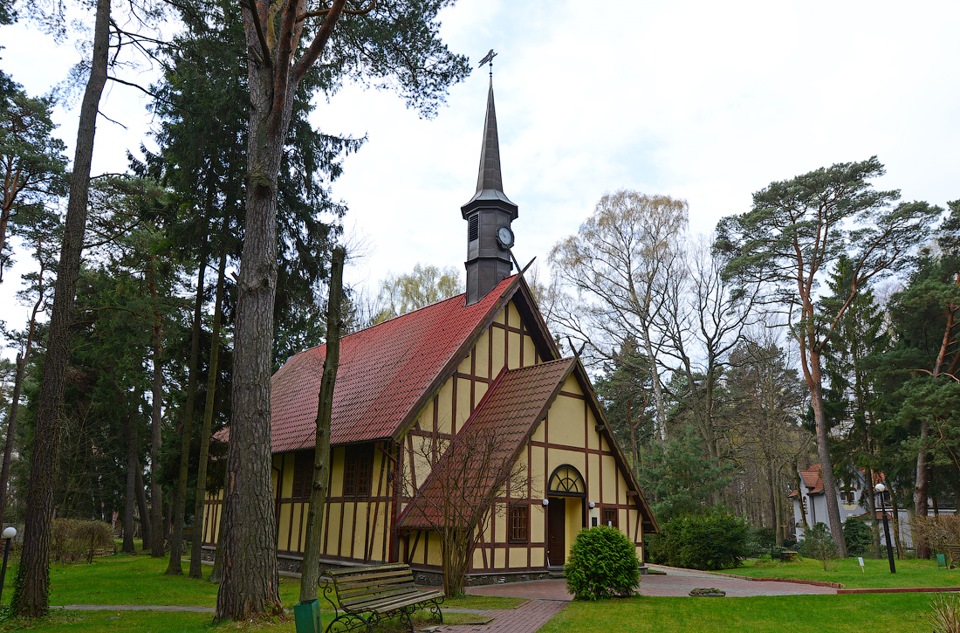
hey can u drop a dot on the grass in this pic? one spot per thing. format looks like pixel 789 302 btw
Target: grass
pixel 846 571
pixel 119 580
pixel 904 613
pixel 140 580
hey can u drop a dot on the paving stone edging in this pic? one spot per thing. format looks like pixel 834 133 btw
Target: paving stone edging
pixel 900 590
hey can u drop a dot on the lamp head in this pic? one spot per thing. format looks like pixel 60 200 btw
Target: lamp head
pixel 880 488
pixel 9 532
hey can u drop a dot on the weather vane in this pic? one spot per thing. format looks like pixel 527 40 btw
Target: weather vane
pixel 488 58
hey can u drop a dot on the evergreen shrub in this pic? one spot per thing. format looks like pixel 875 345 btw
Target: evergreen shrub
pixel 857 537
pixel 762 541
pixel 817 543
pixel 714 540
pixel 72 540
pixel 603 563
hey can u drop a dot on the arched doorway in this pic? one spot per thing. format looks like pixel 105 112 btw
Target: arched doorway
pixel 566 498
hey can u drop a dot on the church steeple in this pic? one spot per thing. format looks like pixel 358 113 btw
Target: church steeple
pixel 488 215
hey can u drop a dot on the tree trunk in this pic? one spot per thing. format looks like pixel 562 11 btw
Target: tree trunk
pixel 196 545
pixel 130 435
pixel 179 509
pixel 156 492
pixel 800 495
pixel 872 509
pixel 310 569
pixel 32 586
pixel 456 549
pixel 811 371
pixel 12 428
pixel 250 585
pixel 920 493
pixel 897 536
pixel 776 504
pixel 146 528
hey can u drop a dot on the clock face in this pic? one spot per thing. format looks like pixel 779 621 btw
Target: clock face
pixel 505 237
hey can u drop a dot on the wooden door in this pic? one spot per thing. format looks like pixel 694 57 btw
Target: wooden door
pixel 556 532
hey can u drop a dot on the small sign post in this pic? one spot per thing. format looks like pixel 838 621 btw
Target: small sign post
pixel 860 560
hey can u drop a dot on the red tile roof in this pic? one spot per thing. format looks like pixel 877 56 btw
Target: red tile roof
pixel 385 371
pixel 493 435
pixel 812 479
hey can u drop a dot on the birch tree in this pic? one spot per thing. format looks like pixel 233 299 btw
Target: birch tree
pixel 617 269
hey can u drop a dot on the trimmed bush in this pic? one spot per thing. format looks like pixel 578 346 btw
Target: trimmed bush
pixel 603 563
pixel 716 540
pixel 857 537
pixel 72 540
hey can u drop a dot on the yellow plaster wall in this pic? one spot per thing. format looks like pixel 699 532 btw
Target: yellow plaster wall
pixel 283 528
pixel 610 478
pixel 421 453
pixel 211 516
pixel 540 433
pixel 538 557
pixel 516 341
pixel 530 355
pixel 482 352
pixel 593 476
pixel 444 407
pixel 566 421
pixel 463 401
pixel 573 510
pixel 434 553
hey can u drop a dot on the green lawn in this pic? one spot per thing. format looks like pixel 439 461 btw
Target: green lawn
pixel 139 580
pixel 910 572
pixel 903 613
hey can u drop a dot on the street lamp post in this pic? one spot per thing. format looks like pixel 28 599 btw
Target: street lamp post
pixel 8 534
pixel 880 488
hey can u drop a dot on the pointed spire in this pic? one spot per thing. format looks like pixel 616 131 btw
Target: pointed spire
pixel 490 177
pixel 489 180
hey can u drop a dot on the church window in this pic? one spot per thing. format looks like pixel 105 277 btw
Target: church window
pixel 519 523
pixel 357 471
pixel 302 474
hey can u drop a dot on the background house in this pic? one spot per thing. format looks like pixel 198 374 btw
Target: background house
pixel 852 500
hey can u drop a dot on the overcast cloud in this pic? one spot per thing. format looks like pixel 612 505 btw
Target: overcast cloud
pixel 699 100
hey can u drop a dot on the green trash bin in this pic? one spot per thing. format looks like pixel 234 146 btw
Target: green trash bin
pixel 306 614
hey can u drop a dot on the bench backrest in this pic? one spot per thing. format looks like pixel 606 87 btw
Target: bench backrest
pixel 363 585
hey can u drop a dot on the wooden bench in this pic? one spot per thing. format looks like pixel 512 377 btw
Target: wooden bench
pixel 367 595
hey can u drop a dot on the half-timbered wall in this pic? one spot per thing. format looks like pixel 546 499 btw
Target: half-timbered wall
pixel 359 528
pixel 568 435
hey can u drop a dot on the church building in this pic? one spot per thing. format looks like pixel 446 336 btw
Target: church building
pixel 470 393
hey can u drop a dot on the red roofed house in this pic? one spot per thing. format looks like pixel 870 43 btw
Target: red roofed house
pixel 853 503
pixel 479 365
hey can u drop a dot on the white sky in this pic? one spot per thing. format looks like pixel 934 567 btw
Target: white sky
pixel 696 99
